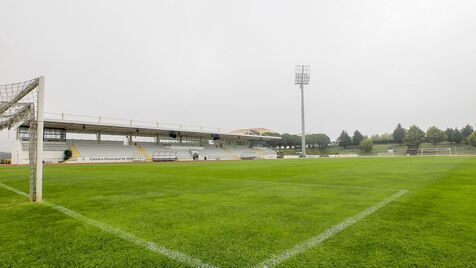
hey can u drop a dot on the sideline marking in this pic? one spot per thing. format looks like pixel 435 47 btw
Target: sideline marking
pixel 316 240
pixel 172 254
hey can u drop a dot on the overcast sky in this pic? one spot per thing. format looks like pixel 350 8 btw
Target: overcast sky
pixel 231 64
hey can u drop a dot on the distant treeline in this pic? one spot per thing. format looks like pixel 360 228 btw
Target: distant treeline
pixel 413 137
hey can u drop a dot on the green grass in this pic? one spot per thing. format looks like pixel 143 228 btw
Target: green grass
pixel 239 213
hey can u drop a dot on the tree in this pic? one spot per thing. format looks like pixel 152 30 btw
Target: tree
pixel 454 135
pixel 344 139
pixel 414 137
pixel 357 138
pixel 472 139
pixel 67 154
pixel 399 134
pixel 435 135
pixel 311 140
pixel 466 131
pixel 296 140
pixel 366 145
pixel 450 134
pixel 288 140
pixel 457 136
pixel 385 138
pixel 320 140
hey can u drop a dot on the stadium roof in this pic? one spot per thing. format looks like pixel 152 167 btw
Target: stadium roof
pixel 253 131
pixel 108 126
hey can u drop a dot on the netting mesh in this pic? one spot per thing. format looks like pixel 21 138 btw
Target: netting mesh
pixel 18 105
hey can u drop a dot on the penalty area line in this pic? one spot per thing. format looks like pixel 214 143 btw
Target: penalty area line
pixel 171 254
pixel 316 240
pixel 4 186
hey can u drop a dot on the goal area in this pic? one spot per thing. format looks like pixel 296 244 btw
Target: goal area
pixel 23 103
pixel 435 151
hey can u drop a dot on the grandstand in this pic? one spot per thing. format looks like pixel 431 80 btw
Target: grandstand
pixel 141 142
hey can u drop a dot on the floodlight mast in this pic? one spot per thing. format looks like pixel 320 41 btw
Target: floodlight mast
pixel 302 78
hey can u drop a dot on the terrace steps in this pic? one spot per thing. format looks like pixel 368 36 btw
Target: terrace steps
pixel 75 152
pixel 144 152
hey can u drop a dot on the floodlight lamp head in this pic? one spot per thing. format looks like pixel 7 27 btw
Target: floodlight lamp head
pixel 303 75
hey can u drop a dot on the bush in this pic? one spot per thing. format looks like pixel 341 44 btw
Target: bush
pixel 366 145
pixel 472 139
pixel 67 154
pixel 414 137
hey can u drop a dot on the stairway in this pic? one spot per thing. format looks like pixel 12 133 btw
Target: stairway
pixel 144 152
pixel 75 152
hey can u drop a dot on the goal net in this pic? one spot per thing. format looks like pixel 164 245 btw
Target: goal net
pixel 22 103
pixel 435 151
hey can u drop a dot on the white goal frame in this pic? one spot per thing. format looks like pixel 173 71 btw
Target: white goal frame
pixel 32 112
pixel 435 151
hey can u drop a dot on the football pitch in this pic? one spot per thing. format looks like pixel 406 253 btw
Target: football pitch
pixel 379 212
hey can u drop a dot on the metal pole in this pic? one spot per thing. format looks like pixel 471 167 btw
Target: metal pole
pixel 303 131
pixel 302 78
pixel 39 140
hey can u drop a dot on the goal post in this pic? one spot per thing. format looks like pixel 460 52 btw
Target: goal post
pixel 23 103
pixel 435 151
pixel 39 140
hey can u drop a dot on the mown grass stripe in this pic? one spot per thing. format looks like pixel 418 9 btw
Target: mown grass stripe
pixel 316 240
pixel 315 185
pixel 274 182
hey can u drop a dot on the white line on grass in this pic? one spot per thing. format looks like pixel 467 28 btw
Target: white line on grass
pixel 172 254
pixel 14 190
pixel 316 240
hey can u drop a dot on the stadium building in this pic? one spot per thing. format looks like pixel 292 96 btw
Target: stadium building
pixel 99 140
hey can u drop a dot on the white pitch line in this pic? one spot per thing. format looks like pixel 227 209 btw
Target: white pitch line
pixel 316 240
pixel 172 254
pixel 14 190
